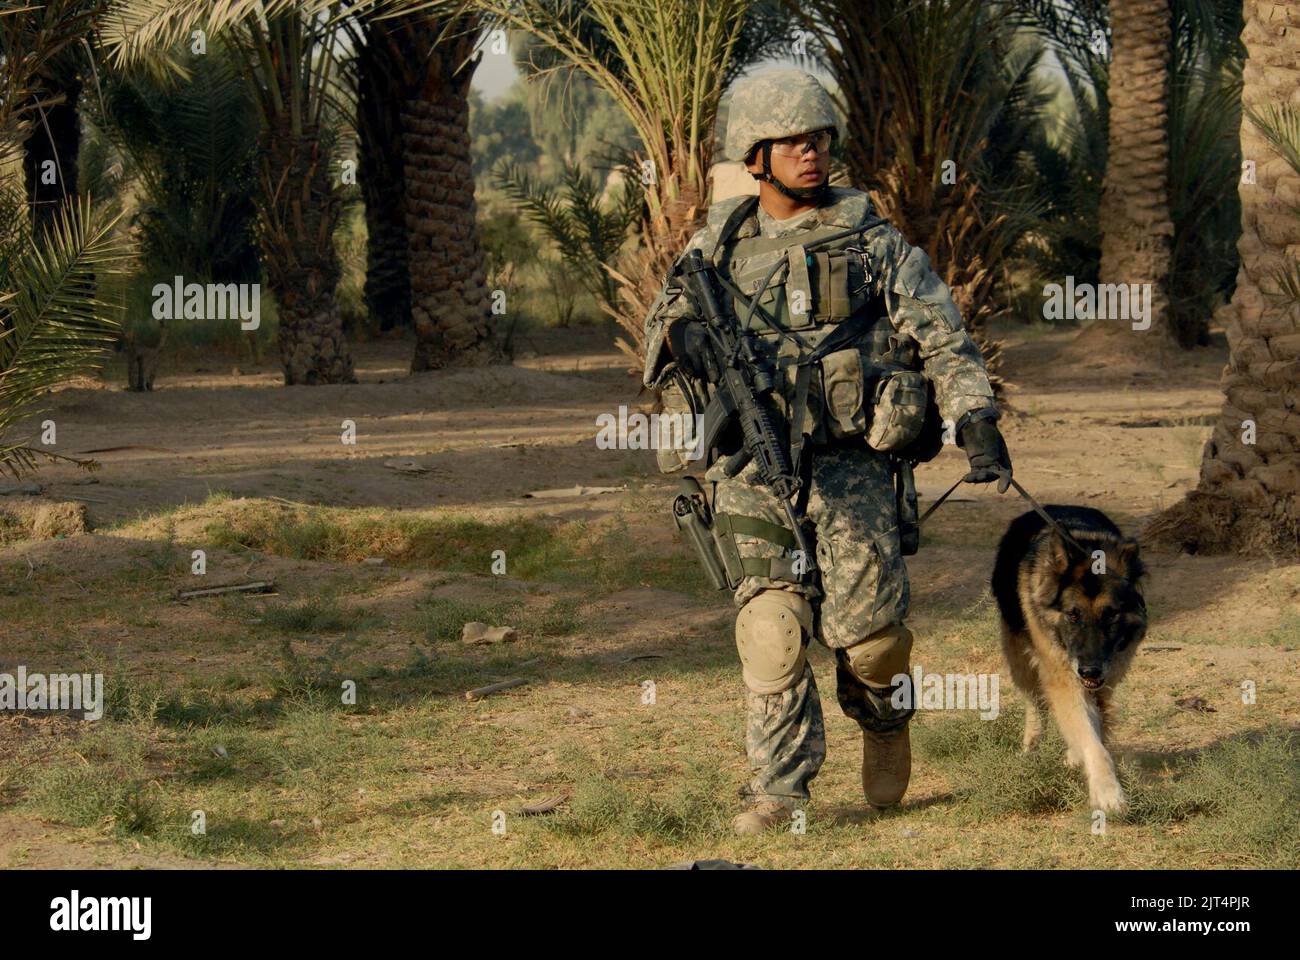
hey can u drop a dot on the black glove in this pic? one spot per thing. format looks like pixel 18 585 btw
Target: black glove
pixel 689 342
pixel 987 451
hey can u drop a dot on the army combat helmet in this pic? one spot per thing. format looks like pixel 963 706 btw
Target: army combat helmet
pixel 772 106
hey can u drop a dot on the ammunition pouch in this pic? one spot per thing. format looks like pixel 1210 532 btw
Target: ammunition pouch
pixel 886 398
pixel 844 393
pixel 929 440
pixel 898 410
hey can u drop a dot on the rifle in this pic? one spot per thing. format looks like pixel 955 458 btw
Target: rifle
pixel 745 379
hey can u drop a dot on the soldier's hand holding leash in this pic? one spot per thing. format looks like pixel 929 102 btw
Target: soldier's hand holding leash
pixel 987 452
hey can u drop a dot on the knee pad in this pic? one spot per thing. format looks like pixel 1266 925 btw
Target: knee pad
pixel 865 674
pixel 880 657
pixel 770 636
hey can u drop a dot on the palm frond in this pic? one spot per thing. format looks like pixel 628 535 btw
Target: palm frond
pixel 52 327
pixel 1280 125
pixel 130 30
pixel 1287 279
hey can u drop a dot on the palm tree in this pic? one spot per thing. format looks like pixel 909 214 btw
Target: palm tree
pixel 938 105
pixel 414 73
pixel 378 66
pixel 1137 226
pixel 289 53
pixel 52 325
pixel 52 145
pixel 291 64
pixel 191 148
pixel 51 152
pixel 666 63
pixel 421 65
pixel 1248 498
pixel 573 218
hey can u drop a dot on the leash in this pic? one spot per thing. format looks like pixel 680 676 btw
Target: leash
pixel 1038 508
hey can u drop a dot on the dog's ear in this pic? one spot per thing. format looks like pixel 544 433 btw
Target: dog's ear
pixel 1130 562
pixel 1059 551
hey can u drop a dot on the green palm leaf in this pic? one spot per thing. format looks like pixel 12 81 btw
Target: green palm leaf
pixel 52 327
pixel 1280 125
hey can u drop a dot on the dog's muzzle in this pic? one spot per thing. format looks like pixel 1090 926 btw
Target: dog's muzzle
pixel 1091 678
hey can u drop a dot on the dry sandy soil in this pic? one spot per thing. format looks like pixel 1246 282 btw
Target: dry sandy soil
pixel 481 440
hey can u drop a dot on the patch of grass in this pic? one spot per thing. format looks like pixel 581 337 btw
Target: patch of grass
pixel 1244 793
pixel 350 536
pixel 607 556
pixel 132 700
pixel 1284 633
pixel 261 787
pixel 693 808
pixel 558 619
pixel 316 615
pixel 982 758
pixel 12 530
pixel 315 681
pixel 440 619
pixel 1248 791
pixel 104 784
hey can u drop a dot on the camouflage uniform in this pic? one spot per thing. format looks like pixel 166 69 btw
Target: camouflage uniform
pixel 851 496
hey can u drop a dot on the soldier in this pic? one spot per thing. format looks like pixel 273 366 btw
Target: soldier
pixel 781 125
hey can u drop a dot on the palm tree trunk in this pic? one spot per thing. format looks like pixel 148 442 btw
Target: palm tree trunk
pixel 51 154
pixel 1136 226
pixel 299 213
pixel 379 97
pixel 449 296
pixel 1248 498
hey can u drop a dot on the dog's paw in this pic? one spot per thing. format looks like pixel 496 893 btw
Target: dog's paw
pixel 1072 760
pixel 1108 797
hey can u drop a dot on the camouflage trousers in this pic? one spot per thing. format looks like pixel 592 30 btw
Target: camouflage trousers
pixel 864 589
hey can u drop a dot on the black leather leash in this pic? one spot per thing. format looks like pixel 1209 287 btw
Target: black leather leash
pixel 1038 508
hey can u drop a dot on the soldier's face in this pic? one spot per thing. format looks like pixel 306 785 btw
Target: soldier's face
pixel 797 161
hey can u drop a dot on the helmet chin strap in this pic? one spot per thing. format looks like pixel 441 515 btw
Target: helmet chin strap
pixel 802 194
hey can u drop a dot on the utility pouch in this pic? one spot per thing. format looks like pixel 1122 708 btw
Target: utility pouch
pixel 929 441
pixel 898 410
pixel 831 276
pixel 844 390
pixel 691 513
pixel 909 525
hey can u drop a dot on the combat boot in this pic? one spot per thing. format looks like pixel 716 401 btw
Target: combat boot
pixel 761 816
pixel 886 765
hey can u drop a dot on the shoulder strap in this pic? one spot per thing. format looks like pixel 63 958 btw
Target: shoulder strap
pixel 730 223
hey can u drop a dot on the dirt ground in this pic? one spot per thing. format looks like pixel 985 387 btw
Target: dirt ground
pixel 211 446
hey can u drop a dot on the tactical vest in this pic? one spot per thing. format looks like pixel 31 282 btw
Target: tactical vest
pixel 808 297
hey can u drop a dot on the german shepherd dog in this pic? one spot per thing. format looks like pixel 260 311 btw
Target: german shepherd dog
pixel 1071 623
